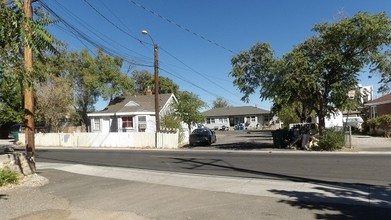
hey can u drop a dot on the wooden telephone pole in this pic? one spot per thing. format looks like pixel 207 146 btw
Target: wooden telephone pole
pixel 29 85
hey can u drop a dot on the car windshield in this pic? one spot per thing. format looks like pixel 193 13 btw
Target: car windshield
pixel 200 131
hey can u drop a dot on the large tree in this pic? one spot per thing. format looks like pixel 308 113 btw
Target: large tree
pixel 54 102
pixel 220 102
pixel 383 65
pixel 144 80
pixel 319 72
pixel 93 78
pixel 188 108
pixel 13 39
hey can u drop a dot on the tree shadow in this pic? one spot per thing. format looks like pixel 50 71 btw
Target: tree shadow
pixel 338 203
pixel 3 197
pixel 333 200
pixel 253 145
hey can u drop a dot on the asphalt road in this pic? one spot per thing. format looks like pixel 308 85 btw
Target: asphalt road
pixel 372 169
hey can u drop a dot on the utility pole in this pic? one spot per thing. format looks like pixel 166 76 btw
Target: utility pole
pixel 156 71
pixel 29 85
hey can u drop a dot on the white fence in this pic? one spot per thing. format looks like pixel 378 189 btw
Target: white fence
pixel 112 139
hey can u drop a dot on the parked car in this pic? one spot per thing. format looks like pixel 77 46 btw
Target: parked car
pixel 15 130
pixel 202 136
pixel 354 121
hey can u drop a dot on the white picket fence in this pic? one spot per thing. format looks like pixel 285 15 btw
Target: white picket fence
pixel 105 140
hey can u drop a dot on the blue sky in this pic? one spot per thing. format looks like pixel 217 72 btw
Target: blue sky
pixel 198 38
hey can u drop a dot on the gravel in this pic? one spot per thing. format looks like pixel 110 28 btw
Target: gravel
pixel 33 180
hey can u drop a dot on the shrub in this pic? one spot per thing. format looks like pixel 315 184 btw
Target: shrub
pixel 8 177
pixel 332 140
pixel 372 123
pixel 384 122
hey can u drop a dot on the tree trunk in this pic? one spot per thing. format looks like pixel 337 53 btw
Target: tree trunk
pixel 322 115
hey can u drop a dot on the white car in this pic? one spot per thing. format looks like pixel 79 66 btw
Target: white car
pixel 353 121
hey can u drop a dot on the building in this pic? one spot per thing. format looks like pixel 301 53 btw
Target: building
pixel 132 113
pixel 249 116
pixel 379 106
pixel 366 93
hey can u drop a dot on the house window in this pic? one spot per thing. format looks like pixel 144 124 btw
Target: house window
pixel 96 124
pixel 212 120
pixel 252 118
pixel 142 123
pixel 373 111
pixel 208 120
pixel 127 122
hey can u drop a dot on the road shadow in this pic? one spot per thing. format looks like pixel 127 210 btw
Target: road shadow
pixel 334 200
pixel 253 145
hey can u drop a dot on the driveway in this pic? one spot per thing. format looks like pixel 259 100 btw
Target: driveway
pixel 365 143
pixel 263 140
pixel 241 140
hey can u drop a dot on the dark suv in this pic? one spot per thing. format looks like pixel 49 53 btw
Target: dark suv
pixel 202 136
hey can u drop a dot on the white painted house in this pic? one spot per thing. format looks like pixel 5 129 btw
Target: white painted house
pixel 132 113
pixel 251 117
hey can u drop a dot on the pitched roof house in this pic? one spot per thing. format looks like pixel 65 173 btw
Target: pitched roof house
pixel 250 116
pixel 132 113
pixel 380 106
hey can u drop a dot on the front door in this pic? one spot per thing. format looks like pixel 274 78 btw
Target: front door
pixel 106 125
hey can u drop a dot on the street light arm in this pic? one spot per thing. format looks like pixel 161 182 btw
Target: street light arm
pixel 144 32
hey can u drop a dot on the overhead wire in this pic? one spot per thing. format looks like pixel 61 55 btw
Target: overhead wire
pixel 171 55
pixel 95 31
pixel 109 51
pixel 81 35
pixel 197 86
pixel 112 23
pixel 181 26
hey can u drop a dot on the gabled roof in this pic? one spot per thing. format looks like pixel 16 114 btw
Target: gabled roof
pixel 134 103
pixel 233 111
pixel 379 101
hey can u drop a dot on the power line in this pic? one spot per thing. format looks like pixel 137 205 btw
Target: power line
pixel 112 23
pixel 181 27
pixel 80 35
pixel 116 26
pixel 195 85
pixel 195 71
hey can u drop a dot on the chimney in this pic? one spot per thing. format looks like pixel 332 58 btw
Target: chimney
pixel 149 91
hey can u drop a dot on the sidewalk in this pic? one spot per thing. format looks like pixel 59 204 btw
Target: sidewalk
pixel 360 143
pixel 95 192
pixel 365 143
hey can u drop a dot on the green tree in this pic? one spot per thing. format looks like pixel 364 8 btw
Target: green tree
pixel 171 121
pixel 114 82
pixel 188 108
pixel 383 65
pixel 13 38
pixel 144 80
pixel 220 102
pixel 288 115
pixel 93 78
pixel 319 72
